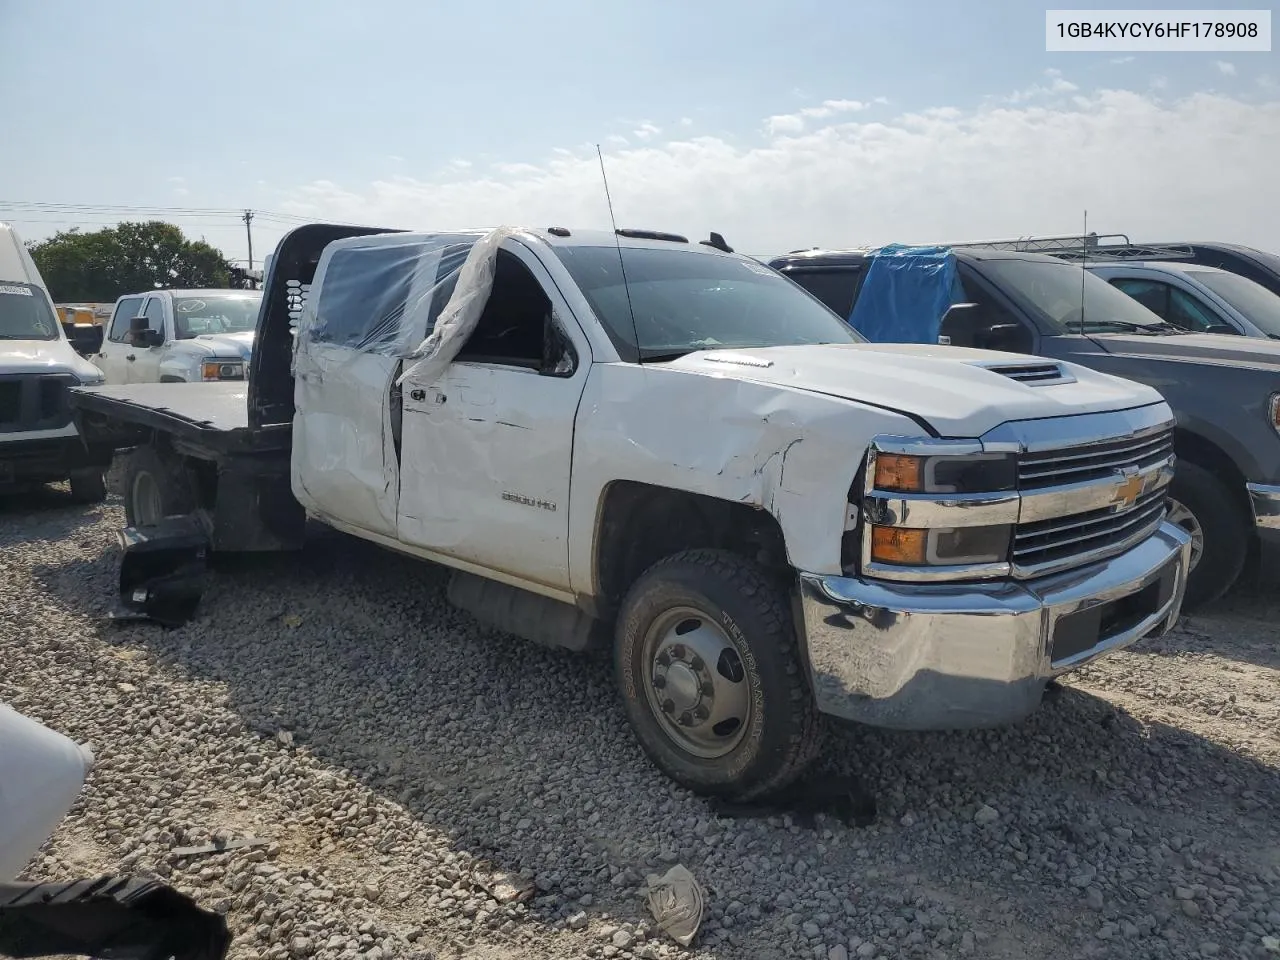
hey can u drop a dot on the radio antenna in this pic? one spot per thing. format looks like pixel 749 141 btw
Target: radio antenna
pixel 1084 259
pixel 621 265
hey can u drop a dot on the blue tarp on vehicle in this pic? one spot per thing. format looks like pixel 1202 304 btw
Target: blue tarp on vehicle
pixel 905 293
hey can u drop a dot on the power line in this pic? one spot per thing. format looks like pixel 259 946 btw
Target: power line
pixel 68 209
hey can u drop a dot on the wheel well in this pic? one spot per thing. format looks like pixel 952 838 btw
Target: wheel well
pixel 170 378
pixel 201 474
pixel 639 524
pixel 1196 449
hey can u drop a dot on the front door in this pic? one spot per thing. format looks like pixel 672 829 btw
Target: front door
pixel 488 446
pixel 113 356
pixel 350 341
pixel 145 367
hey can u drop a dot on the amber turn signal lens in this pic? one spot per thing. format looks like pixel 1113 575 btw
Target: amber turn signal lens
pixel 898 545
pixel 897 471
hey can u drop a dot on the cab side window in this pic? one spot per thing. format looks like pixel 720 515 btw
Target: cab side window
pixel 989 325
pixel 126 310
pixel 154 313
pixel 1172 305
pixel 517 327
pixel 1189 313
pixel 1150 293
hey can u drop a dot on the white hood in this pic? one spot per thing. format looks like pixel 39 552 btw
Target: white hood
pixel 944 386
pixel 45 356
pixel 225 344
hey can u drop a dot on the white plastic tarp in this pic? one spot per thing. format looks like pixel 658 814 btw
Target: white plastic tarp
pixel 41 773
pixel 381 308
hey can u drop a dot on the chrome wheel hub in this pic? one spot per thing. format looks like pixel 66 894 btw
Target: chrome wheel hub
pixel 146 500
pixel 695 683
pixel 1179 514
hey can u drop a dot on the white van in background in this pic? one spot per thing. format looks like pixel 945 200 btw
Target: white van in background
pixel 38 440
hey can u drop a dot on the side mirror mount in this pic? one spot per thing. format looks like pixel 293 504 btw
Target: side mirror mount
pixel 956 325
pixel 558 359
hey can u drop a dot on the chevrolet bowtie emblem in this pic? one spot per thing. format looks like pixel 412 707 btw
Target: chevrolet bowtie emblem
pixel 1129 490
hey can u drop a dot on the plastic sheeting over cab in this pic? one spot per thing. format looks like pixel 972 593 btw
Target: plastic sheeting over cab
pixel 905 293
pixel 377 304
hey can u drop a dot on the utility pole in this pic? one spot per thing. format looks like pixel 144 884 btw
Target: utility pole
pixel 248 232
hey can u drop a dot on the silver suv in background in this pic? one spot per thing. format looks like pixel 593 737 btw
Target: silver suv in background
pixel 1197 298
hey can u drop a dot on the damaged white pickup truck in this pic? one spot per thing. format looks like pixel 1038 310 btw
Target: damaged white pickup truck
pixel 777 520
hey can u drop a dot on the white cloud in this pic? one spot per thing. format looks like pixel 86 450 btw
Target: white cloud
pixel 395 158
pixel 784 123
pixel 1057 84
pixel 686 121
pixel 940 174
pixel 795 122
pixel 617 139
pixel 645 130
pixel 1228 69
pixel 1122 59
pixel 1159 83
pixel 1266 82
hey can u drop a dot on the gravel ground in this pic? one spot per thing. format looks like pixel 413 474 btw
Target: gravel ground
pixel 399 759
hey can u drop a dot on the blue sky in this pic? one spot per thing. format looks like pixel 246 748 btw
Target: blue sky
pixel 429 114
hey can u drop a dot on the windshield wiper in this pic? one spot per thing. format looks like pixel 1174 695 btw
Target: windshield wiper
pixel 663 357
pixel 1148 329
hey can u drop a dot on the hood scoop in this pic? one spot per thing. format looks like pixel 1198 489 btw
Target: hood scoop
pixel 1032 373
pixel 738 359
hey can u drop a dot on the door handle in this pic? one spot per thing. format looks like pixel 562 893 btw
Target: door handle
pixel 417 394
pixel 130 357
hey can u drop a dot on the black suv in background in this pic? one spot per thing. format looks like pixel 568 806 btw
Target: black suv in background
pixel 1225 391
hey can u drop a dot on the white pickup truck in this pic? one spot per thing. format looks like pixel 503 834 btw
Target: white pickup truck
pixel 771 520
pixel 38 365
pixel 179 336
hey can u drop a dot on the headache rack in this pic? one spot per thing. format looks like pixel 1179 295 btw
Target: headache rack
pixel 1092 248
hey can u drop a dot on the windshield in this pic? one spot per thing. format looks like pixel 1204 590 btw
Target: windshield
pixel 25 313
pixel 1053 290
pixel 685 301
pixel 216 313
pixel 1259 305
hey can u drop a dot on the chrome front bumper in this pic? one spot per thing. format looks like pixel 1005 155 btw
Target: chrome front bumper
pixel 1265 499
pixel 948 656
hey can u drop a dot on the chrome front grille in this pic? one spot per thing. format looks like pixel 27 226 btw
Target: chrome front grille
pixel 1095 461
pixel 1056 544
pixel 1117 518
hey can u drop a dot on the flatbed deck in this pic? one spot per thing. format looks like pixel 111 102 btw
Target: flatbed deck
pixel 213 415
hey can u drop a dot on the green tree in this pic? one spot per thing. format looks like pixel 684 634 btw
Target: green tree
pixel 100 266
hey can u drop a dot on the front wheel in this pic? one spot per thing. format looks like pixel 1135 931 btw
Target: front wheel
pixel 705 655
pixel 88 486
pixel 1202 505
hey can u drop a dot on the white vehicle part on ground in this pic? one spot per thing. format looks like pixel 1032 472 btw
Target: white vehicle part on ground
pixel 41 774
pixel 355 332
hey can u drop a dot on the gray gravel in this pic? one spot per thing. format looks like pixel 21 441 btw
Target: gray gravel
pixel 401 761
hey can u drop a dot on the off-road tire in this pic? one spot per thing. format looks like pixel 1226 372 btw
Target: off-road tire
pixel 785 729
pixel 88 486
pixel 1226 532
pixel 166 469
